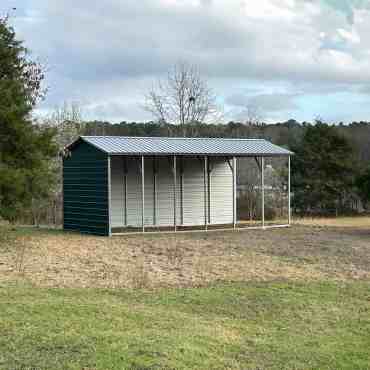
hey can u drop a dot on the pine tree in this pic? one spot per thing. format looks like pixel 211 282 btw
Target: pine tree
pixel 363 186
pixel 24 147
pixel 323 170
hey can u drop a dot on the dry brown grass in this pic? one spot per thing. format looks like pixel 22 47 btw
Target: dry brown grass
pixel 297 253
pixel 360 221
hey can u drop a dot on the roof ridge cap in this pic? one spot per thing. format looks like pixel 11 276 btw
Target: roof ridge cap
pixel 173 137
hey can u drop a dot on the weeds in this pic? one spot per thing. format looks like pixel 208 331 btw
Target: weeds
pixel 7 237
pixel 139 275
pixel 9 242
pixel 175 255
pixel 20 248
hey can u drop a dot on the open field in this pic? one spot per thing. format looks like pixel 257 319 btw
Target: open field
pixel 293 298
pixel 56 259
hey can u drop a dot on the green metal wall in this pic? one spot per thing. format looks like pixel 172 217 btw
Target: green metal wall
pixel 85 190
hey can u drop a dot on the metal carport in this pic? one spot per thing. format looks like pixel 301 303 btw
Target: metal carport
pixel 87 182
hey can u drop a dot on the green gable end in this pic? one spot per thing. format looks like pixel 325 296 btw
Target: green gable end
pixel 85 190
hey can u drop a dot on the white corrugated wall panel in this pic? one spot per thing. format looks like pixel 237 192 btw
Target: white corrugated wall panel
pixel 134 186
pixel 221 192
pixel 149 192
pixel 165 196
pixel 193 192
pixel 193 204
pixel 117 192
pixel 133 192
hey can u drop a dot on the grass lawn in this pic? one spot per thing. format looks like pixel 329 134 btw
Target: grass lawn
pixel 296 298
pixel 270 325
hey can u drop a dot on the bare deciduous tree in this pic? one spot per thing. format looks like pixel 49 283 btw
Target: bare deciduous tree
pixel 252 115
pixel 67 119
pixel 182 98
pixel 68 122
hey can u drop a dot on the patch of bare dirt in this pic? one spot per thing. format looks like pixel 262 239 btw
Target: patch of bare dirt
pixel 297 253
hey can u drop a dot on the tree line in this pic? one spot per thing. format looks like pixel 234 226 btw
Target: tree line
pixel 330 168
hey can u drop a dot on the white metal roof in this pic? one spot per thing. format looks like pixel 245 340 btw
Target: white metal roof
pixel 126 145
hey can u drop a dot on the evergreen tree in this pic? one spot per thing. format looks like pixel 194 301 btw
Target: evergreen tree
pixel 323 170
pixel 24 147
pixel 363 185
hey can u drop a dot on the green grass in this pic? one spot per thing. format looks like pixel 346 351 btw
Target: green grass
pixel 276 325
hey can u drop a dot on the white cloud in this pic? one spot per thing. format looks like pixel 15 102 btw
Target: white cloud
pixel 100 52
pixel 351 36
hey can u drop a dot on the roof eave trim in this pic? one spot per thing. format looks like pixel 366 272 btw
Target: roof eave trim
pixel 204 154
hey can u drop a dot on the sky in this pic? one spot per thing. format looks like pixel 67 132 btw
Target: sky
pixel 298 59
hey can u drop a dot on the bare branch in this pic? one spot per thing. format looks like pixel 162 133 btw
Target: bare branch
pixel 182 98
pixel 253 116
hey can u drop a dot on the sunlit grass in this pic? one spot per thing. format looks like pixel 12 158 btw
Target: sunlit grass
pixel 278 325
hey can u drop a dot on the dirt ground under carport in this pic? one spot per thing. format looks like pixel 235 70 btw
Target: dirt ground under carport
pixel 301 252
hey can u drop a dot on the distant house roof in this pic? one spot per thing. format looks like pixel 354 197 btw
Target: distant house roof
pixel 127 145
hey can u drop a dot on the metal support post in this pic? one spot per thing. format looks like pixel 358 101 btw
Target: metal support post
pixel 263 190
pixel 142 194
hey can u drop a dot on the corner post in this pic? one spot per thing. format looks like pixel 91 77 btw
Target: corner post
pixel 109 198
pixel 234 192
pixel 125 188
pixel 174 192
pixel 209 168
pixel 289 195
pixel 142 194
pixel 154 191
pixel 182 191
pixel 263 190
pixel 205 191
